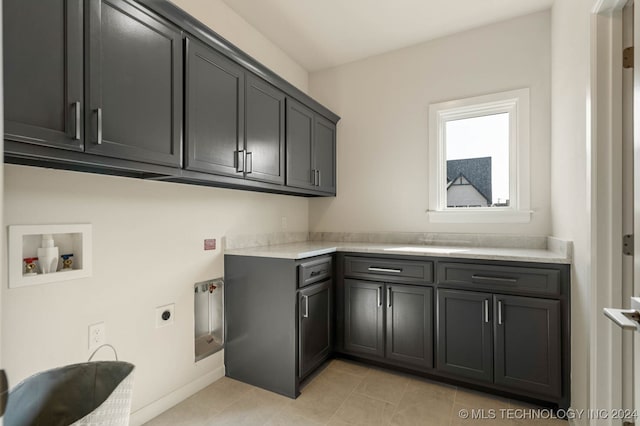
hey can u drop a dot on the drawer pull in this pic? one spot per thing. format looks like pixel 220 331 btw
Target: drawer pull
pixel 379 294
pixel 499 279
pixel 388 297
pixel 486 310
pixel 499 312
pixel 316 273
pixel 391 270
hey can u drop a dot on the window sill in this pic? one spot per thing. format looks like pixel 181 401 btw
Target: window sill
pixel 479 216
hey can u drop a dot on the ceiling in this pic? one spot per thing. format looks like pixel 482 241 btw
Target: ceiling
pixel 320 34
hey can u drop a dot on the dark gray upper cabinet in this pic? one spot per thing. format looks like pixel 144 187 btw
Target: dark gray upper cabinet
pixel 363 318
pixel 409 321
pixel 134 80
pixel 325 154
pixel 300 171
pixel 314 309
pixel 139 88
pixel 43 66
pixel 527 349
pixel 215 112
pixel 235 121
pixel 465 339
pixel 311 149
pixel 265 132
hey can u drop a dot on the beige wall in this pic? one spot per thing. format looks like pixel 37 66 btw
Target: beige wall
pixel 382 137
pixel 570 174
pixel 148 251
pixel 230 25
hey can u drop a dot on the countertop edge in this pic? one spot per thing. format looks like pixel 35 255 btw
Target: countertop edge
pixel 295 252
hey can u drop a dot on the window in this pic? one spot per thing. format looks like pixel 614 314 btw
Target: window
pixel 479 159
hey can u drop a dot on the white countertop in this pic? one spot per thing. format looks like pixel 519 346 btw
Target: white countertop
pixel 315 248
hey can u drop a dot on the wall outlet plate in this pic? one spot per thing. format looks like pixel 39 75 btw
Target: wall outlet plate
pixel 165 315
pixel 97 336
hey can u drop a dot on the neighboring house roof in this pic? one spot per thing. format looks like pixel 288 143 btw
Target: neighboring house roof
pixel 475 170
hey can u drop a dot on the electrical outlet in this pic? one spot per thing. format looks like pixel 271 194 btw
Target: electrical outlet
pixel 97 335
pixel 165 315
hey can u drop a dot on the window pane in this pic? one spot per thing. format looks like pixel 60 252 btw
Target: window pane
pixel 477 153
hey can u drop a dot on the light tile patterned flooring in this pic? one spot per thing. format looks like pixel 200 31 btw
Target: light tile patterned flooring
pixel 346 393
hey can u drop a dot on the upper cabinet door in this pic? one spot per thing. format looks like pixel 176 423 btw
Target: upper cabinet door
pixel 264 132
pixel 300 172
pixel 325 155
pixel 134 75
pixel 214 111
pixel 43 94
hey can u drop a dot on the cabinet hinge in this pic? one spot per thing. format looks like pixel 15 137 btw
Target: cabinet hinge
pixel 627 57
pixel 627 244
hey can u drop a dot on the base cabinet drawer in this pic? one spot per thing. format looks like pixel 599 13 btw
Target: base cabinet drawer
pixel 497 277
pixel 389 270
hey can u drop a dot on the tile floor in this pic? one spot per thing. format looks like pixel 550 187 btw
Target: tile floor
pixel 347 393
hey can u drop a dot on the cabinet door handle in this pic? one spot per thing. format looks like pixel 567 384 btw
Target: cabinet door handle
pixel 99 111
pixel 388 297
pixel 249 161
pixel 379 294
pixel 76 111
pixel 499 279
pixel 318 178
pixel 313 177
pixel 306 306
pixel 240 158
pixel 499 312
pixel 486 310
pixel 392 270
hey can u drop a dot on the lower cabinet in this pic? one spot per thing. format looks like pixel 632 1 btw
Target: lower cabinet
pixel 510 341
pixel 465 334
pixel 527 344
pixel 278 319
pixel 391 321
pixel 314 325
pixel 497 325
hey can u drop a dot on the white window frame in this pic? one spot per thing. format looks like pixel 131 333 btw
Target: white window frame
pixel 514 102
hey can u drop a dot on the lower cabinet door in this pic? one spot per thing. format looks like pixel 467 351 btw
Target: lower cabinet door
pixel 465 339
pixel 314 308
pixel 363 318
pixel 409 324
pixel 527 351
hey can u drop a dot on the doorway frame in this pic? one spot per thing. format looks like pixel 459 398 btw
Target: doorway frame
pixel 604 157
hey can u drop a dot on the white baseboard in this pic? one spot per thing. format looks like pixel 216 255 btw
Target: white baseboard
pixel 158 407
